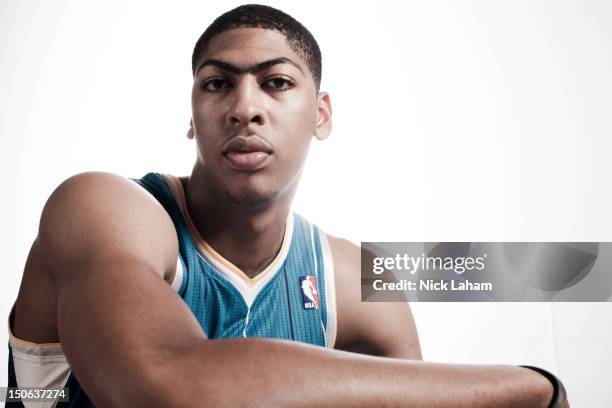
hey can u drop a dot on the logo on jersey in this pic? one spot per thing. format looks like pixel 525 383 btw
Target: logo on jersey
pixel 310 293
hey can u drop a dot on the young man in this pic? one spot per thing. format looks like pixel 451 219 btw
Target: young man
pixel 98 309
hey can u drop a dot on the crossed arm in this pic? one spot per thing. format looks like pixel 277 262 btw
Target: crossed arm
pixel 132 342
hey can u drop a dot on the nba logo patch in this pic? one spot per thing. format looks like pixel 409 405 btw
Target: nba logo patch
pixel 310 293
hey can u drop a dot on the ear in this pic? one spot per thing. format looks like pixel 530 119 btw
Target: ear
pixel 324 116
pixel 190 132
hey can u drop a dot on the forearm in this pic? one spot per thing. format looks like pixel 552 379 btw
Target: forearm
pixel 264 372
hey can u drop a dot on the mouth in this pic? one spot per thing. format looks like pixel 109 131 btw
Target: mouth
pixel 247 153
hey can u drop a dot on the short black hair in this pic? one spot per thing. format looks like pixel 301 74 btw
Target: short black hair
pixel 259 16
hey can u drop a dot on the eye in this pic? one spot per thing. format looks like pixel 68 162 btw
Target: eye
pixel 215 85
pixel 279 84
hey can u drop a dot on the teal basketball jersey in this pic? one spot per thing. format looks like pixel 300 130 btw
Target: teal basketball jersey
pixel 292 298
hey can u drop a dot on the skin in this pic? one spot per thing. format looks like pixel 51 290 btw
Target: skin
pixel 242 214
pixel 95 268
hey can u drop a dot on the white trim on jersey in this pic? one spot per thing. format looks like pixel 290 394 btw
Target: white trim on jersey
pixel 39 365
pixel 314 252
pixel 330 291
pixel 178 275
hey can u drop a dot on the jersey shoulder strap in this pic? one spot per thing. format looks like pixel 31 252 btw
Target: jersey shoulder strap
pixel 157 186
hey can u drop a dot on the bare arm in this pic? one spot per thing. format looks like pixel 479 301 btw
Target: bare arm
pixel 108 244
pixel 131 341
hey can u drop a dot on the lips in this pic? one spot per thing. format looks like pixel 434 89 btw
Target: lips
pixel 247 153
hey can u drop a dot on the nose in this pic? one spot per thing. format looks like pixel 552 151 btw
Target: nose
pixel 247 105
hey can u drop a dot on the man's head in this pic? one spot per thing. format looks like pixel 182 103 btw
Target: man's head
pixel 255 104
pixel 258 16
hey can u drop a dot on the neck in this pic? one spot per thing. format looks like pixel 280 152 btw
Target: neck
pixel 248 237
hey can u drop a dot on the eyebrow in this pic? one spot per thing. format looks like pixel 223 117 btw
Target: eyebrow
pixel 251 69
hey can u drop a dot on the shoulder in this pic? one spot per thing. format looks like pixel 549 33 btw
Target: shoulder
pixel 345 257
pixel 347 272
pixel 343 249
pixel 93 190
pixel 95 216
pixel 378 328
pixel 87 189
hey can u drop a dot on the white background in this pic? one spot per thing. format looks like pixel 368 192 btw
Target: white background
pixel 453 121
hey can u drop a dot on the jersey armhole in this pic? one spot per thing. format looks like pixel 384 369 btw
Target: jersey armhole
pixel 40 365
pixel 330 291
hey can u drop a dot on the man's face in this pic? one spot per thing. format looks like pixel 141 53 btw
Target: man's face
pixel 255 110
